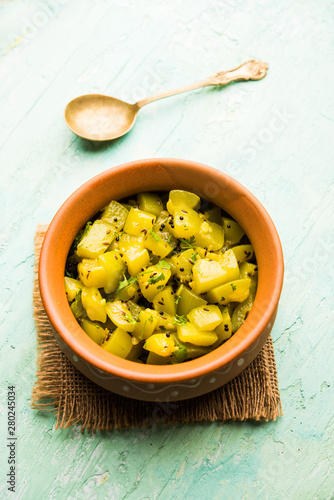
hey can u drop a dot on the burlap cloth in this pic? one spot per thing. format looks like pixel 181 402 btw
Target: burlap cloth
pixel 60 387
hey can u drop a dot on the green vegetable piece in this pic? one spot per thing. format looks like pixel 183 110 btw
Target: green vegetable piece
pixel 243 253
pixel 150 202
pixel 146 324
pixel 213 214
pixel 164 301
pixel 155 359
pixel 119 343
pixel 115 214
pixel 233 231
pixel 95 331
pixel 136 351
pixel 241 312
pixel 76 307
pixel 72 288
pixel 96 241
pixel 182 198
pixel 224 330
pixel 248 270
pixel 188 300
pixel 120 315
pixel 114 267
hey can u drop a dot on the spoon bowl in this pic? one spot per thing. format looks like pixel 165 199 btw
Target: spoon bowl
pixel 99 117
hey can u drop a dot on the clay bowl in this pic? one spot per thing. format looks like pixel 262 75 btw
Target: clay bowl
pixel 193 378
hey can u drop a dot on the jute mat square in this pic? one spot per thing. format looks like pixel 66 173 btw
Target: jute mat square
pixel 60 387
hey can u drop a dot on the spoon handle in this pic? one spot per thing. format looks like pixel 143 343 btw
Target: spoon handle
pixel 250 70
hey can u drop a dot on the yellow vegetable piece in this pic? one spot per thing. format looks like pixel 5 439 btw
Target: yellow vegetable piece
pixel 94 304
pixel 115 214
pixel 155 359
pixel 248 270
pixel 119 343
pixel 153 280
pixel 160 344
pixel 114 268
pixel 183 264
pixel 187 300
pixel 130 242
pixel 96 241
pixel 243 253
pixel 120 315
pixel 233 291
pixel 207 274
pixel 146 324
pixel 130 292
pixel 94 330
pixel 210 235
pixel 92 273
pixel 157 245
pixel 72 287
pixel 138 222
pixel 224 330
pixel 205 317
pixel 188 333
pixel 136 260
pixel 233 231
pixel 150 202
pixel 186 223
pixel 164 301
pixel 182 198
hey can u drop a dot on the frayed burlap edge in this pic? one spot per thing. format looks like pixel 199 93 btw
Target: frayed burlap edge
pixel 61 388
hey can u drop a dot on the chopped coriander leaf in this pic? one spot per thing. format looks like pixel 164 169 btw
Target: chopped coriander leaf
pixel 163 264
pixel 181 353
pixel 130 319
pixel 177 299
pixel 150 319
pixel 154 235
pixel 155 279
pixel 194 257
pixel 180 320
pixel 125 283
pixel 188 243
pixel 233 287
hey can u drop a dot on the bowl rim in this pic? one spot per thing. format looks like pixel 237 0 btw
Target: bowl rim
pixel 69 330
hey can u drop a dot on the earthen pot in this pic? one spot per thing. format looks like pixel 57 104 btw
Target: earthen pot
pixel 172 382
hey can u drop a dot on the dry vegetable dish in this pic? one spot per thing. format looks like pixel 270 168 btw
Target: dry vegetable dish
pixel 161 278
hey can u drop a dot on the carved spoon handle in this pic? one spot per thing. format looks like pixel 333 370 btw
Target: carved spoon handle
pixel 250 70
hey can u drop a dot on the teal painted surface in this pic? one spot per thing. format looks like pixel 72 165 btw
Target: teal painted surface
pixel 275 136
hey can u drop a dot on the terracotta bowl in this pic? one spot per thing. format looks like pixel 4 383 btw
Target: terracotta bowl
pixel 175 382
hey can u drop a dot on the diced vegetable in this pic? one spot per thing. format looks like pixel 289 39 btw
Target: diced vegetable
pixel 96 241
pixel 153 280
pixel 187 300
pixel 145 324
pixel 205 317
pixel 94 330
pixel 161 344
pixel 72 287
pixel 119 343
pixel 233 291
pixel 185 222
pixel 233 231
pixel 189 333
pixel 182 198
pixel 243 253
pixel 120 315
pixel 138 222
pixel 210 235
pixel 115 214
pixel 150 202
pixel 164 301
pixel 114 268
pixel 94 304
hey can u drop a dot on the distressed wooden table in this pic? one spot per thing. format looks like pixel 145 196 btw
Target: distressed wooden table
pixel 275 136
